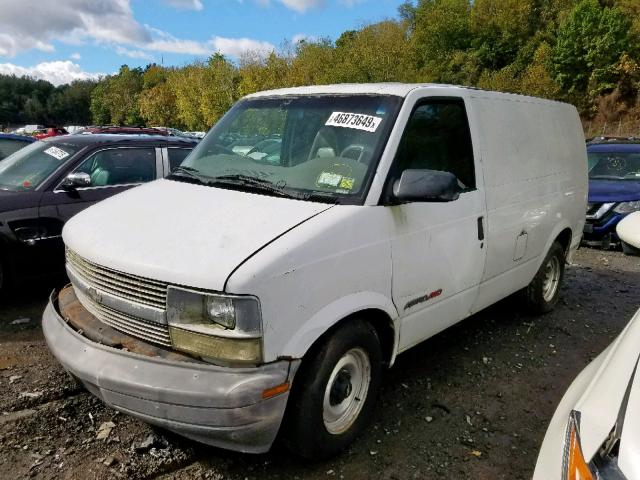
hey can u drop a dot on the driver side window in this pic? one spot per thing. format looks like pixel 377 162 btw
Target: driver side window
pixel 437 137
pixel 120 166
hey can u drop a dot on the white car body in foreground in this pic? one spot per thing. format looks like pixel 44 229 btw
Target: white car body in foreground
pixel 628 230
pixel 606 399
pixel 322 276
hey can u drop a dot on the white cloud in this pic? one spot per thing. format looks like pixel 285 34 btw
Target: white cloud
pixel 133 53
pixel 109 23
pixel 186 4
pixel 302 5
pixel 72 21
pixel 235 47
pixel 75 56
pixel 58 72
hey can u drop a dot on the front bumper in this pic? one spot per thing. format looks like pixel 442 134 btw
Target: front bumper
pixel 215 405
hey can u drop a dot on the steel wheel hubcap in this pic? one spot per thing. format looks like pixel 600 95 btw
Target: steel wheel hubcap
pixel 551 279
pixel 346 391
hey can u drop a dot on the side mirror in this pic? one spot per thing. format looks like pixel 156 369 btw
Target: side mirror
pixel 426 185
pixel 76 180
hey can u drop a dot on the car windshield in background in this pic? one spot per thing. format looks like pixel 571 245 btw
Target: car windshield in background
pixel 614 166
pixel 321 147
pixel 9 146
pixel 28 168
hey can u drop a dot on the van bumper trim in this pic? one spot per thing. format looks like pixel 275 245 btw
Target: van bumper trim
pixel 215 405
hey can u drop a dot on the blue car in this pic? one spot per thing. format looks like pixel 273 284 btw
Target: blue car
pixel 614 189
pixel 10 143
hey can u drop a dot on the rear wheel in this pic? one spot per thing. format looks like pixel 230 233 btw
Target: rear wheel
pixel 334 392
pixel 544 290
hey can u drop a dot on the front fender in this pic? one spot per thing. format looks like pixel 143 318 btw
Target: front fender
pixel 311 330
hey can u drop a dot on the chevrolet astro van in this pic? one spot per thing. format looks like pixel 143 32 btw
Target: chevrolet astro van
pixel 263 286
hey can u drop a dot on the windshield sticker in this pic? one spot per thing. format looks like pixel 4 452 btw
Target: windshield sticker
pixel 56 152
pixel 347 183
pixel 328 179
pixel 358 121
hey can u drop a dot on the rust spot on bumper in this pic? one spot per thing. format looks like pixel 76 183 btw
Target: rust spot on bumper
pixel 90 327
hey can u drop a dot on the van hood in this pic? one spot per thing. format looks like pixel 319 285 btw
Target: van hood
pixel 606 191
pixel 181 233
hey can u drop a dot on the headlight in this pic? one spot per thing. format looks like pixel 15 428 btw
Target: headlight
pixel 603 466
pixel 575 467
pixel 627 207
pixel 223 328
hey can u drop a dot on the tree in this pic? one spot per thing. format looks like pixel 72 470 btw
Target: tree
pixel 589 46
pixel 376 53
pixel 442 27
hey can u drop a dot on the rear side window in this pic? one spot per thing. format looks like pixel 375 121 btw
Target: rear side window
pixel 437 137
pixel 120 166
pixel 176 156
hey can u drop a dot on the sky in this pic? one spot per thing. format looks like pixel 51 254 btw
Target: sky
pixel 64 40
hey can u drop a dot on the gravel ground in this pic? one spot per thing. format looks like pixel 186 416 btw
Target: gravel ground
pixel 472 402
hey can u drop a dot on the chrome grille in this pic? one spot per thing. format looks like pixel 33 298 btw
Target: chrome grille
pixel 149 331
pixel 124 285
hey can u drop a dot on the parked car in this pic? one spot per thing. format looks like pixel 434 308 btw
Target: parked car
pixel 50 132
pixel 614 188
pixel 628 230
pixel 594 432
pixel 46 183
pixel 10 143
pixel 258 294
pixel 123 130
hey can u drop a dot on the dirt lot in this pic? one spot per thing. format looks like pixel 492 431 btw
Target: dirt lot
pixel 473 402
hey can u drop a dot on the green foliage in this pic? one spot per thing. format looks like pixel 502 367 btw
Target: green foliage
pixel 575 50
pixel 590 44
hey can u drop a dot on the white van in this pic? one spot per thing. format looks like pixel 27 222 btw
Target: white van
pixel 264 289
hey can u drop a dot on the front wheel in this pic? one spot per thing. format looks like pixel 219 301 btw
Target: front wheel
pixel 544 290
pixel 334 392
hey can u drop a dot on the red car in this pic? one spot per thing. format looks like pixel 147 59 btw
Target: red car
pixel 50 132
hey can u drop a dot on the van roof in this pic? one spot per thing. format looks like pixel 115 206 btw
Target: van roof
pixel 391 88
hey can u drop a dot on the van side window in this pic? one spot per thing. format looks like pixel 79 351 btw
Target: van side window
pixel 437 137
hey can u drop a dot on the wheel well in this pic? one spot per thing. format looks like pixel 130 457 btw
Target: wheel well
pixel 378 319
pixel 564 239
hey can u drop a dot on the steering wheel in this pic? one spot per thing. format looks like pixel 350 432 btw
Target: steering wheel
pixel 355 152
pixel 217 148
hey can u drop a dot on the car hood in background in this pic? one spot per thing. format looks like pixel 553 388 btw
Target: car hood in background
pixel 10 201
pixel 603 191
pixel 182 233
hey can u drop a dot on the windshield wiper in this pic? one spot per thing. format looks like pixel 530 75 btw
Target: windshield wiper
pixel 259 184
pixel 188 172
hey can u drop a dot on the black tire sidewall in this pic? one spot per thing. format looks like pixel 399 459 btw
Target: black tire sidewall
pixel 305 433
pixel 534 292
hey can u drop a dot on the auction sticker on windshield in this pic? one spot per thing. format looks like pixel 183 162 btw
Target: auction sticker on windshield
pixel 56 152
pixel 358 121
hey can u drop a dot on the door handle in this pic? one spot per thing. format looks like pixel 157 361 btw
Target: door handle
pixel 480 228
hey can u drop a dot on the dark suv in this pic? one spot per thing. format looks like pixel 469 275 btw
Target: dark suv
pixel 46 183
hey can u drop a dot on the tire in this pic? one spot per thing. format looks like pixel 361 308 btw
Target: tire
pixel 629 249
pixel 320 421
pixel 544 290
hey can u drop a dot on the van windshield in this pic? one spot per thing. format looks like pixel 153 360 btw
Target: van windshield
pixel 29 167
pixel 323 148
pixel 614 166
